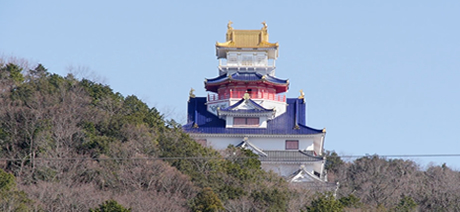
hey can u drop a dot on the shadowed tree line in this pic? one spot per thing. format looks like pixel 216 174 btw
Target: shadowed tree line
pixel 382 184
pixel 71 144
pixel 74 144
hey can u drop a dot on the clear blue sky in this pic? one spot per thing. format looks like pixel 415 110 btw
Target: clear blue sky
pixel 382 76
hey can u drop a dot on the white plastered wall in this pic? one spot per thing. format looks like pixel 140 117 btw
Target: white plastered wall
pixel 262 143
pixel 274 143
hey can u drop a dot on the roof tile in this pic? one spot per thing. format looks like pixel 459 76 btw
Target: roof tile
pixel 282 125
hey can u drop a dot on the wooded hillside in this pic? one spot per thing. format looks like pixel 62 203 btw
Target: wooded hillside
pixel 69 144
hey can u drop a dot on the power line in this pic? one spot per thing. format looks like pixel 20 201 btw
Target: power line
pixel 217 158
pixel 402 156
pixel 133 158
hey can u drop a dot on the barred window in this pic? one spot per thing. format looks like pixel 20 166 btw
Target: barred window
pixel 292 144
pixel 245 122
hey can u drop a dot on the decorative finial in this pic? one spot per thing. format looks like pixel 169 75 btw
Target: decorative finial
pixel 246 96
pixel 302 94
pixel 191 95
pixel 229 25
pixel 324 130
pixel 265 25
pixel 195 126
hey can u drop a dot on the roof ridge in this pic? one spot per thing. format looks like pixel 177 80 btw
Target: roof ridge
pixel 241 101
pixel 254 147
pixel 301 170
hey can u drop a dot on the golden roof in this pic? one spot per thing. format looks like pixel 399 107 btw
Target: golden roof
pixel 247 38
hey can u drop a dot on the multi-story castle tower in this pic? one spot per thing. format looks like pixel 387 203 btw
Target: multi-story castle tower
pixel 246 107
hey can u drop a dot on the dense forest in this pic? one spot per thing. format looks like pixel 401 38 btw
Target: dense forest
pixel 70 144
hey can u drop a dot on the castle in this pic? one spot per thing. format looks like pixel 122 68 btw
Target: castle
pixel 246 108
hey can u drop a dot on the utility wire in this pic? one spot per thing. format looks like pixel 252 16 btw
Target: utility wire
pixel 402 156
pixel 212 158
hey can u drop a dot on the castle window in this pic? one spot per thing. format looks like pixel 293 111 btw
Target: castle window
pixel 245 122
pixel 292 144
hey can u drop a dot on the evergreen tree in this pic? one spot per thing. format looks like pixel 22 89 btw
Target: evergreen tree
pixel 110 206
pixel 10 198
pixel 325 202
pixel 207 201
pixel 406 204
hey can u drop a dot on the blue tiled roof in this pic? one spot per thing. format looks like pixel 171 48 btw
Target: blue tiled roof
pixel 247 76
pixel 275 80
pixel 284 124
pixel 220 78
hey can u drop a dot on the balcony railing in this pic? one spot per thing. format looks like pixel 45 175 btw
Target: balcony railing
pixel 240 94
pixel 268 63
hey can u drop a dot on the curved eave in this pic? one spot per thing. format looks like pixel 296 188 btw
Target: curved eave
pixel 280 87
pixel 247 77
pixel 197 132
pixel 231 44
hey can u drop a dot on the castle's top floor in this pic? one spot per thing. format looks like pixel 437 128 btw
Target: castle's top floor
pixel 247 40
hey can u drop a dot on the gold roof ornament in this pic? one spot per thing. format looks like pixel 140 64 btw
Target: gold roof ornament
pixel 237 38
pixel 246 96
pixel 229 25
pixel 302 94
pixel 265 26
pixel 324 130
pixel 191 94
